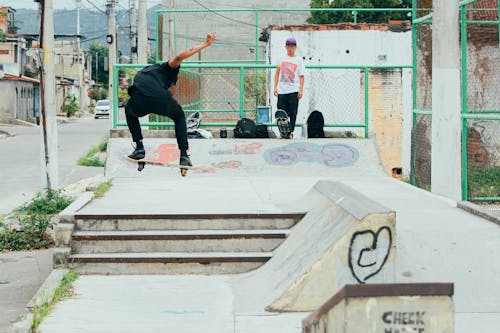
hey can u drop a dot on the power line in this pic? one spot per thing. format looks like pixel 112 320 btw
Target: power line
pixel 223 16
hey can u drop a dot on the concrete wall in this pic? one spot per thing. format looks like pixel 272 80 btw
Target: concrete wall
pixel 339 93
pixel 17 101
pixel 7 96
pixel 67 63
pixel 421 308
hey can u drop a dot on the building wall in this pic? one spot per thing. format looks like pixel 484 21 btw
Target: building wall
pixel 339 93
pixel 7 96
pixel 17 101
pixel 67 62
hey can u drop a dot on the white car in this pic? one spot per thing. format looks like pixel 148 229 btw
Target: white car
pixel 102 108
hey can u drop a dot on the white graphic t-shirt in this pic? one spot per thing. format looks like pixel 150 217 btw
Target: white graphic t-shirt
pixel 291 68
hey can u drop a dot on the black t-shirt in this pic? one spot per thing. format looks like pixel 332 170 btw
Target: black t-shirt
pixel 154 80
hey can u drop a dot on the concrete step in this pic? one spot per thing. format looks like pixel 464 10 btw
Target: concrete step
pixel 168 263
pixel 127 222
pixel 177 241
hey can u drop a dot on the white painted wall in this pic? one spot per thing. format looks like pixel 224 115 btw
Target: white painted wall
pixel 337 92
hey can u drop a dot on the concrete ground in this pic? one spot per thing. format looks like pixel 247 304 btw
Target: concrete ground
pixel 21 274
pixel 436 242
pixel 20 177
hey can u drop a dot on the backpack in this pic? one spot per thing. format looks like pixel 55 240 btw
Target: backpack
pixel 261 131
pixel 193 122
pixel 245 128
pixel 315 124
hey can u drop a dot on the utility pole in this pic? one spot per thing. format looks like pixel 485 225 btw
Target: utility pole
pixel 143 32
pixel 133 31
pixel 166 49
pixel 171 45
pixel 81 59
pixel 111 39
pixel 446 107
pixel 48 128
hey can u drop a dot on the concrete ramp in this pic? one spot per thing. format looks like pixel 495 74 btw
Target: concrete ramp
pixel 344 238
pixel 253 157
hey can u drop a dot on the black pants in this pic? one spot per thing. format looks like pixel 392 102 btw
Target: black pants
pixel 140 105
pixel 289 103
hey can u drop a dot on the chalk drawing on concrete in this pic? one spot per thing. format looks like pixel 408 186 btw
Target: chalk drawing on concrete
pixel 238 149
pixel 332 154
pixel 368 252
pixel 227 164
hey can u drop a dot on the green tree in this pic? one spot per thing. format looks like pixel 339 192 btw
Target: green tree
pixel 99 53
pixel 321 17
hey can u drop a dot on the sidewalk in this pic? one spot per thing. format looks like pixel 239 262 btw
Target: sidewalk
pixel 21 275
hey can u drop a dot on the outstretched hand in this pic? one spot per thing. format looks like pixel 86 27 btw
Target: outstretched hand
pixel 210 38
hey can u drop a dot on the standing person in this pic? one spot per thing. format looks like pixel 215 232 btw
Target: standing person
pixel 289 81
pixel 150 94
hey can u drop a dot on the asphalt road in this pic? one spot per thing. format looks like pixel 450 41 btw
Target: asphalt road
pixel 22 273
pixel 20 170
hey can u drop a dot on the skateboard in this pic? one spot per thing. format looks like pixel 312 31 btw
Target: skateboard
pixel 283 123
pixel 184 168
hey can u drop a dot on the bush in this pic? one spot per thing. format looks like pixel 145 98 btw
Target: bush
pixel 48 203
pixel 92 158
pixel 34 222
pixel 484 182
pixel 70 106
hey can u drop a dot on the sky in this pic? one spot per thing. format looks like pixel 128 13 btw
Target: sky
pixel 67 4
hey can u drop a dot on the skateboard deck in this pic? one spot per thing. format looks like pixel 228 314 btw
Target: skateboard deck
pixel 184 168
pixel 283 123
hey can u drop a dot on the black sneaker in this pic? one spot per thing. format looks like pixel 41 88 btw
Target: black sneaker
pixel 137 154
pixel 185 160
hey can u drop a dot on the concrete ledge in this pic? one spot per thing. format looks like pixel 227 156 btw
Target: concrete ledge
pixel 480 211
pixel 63 233
pixel 352 201
pixel 344 238
pixel 44 294
pixel 61 255
pixel 93 186
pixel 23 325
pixel 68 214
pixel 416 307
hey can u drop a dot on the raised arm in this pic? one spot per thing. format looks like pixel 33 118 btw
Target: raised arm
pixel 177 60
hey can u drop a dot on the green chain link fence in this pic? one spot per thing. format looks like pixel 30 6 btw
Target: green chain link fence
pixel 481 100
pixel 480 47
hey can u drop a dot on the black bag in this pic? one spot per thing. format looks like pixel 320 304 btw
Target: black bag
pixel 261 131
pixel 315 124
pixel 245 128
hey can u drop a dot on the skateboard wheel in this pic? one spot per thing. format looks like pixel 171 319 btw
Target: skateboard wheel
pixel 184 172
pixel 140 166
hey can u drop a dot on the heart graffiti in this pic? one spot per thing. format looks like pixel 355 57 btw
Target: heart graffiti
pixel 368 252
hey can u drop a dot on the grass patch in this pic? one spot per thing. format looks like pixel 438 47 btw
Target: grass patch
pixel 102 189
pixel 64 290
pixel 92 157
pixel 34 219
pixel 484 182
pixel 406 180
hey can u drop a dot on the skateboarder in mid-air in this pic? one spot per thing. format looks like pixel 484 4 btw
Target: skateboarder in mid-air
pixel 150 94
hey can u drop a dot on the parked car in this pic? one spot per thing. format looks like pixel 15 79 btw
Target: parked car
pixel 102 108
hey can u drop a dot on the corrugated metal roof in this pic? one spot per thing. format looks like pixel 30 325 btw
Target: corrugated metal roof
pixel 12 77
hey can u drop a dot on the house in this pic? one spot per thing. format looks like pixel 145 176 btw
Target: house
pixel 72 78
pixel 7 22
pixel 20 96
pixel 19 84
